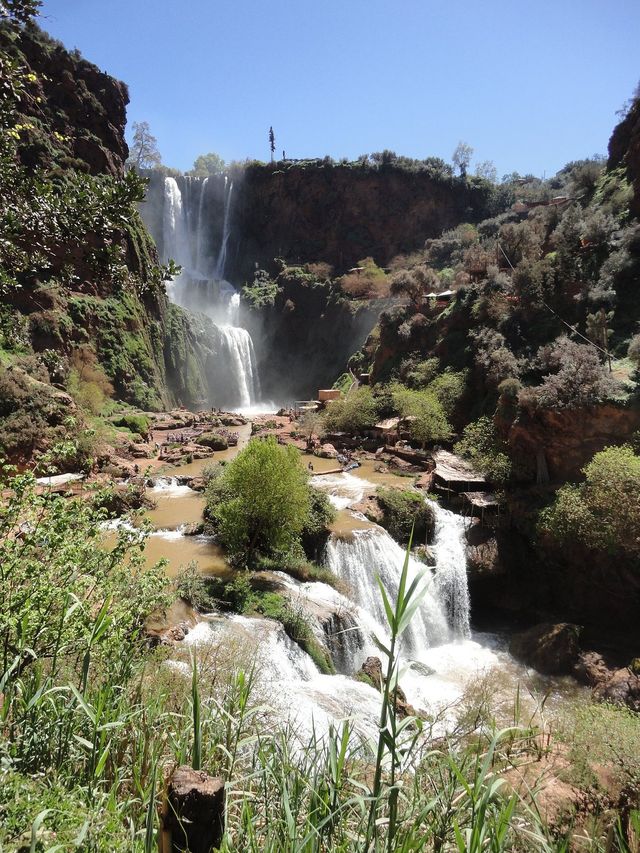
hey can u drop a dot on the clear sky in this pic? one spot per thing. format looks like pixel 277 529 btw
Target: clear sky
pixel 530 85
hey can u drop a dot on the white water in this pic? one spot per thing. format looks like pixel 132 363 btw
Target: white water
pixel 226 230
pixel 169 487
pixel 439 659
pixel 288 679
pixel 343 489
pixel 372 554
pixel 199 227
pixel 451 570
pixel 242 363
pixel 202 288
pixel 174 225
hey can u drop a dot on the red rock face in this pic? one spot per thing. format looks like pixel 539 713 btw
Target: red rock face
pixel 569 438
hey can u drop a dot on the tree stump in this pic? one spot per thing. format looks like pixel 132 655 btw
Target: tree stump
pixel 194 811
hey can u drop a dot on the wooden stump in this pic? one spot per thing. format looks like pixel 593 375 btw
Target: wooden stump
pixel 194 811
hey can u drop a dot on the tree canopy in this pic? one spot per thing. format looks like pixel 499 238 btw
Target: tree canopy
pixel 603 512
pixel 143 153
pixel 261 501
pixel 207 164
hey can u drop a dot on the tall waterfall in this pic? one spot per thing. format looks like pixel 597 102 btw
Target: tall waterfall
pixel 174 225
pixel 242 363
pixel 201 285
pixel 226 230
pixel 200 225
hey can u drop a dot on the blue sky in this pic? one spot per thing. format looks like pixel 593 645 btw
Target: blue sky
pixel 530 85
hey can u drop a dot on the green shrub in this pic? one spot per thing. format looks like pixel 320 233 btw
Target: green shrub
pixel 353 413
pixel 135 423
pixel 604 511
pixel 403 511
pixel 261 502
pixel 481 445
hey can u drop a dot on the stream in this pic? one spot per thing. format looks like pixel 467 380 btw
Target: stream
pixel 441 656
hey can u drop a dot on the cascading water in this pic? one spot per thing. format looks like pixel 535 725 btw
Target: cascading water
pixel 242 363
pixel 451 570
pixel 174 225
pixel 199 226
pixel 438 658
pixel 201 285
pixel 370 553
pixel 226 230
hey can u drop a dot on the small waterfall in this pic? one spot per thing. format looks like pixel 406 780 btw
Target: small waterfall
pixel 373 552
pixel 451 570
pixel 226 230
pixel 242 363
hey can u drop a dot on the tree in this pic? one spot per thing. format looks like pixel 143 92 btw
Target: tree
pixel 598 331
pixel 21 11
pixel 312 423
pixel 483 447
pixel 144 153
pixel 261 502
pixel 604 511
pixel 426 420
pixel 415 283
pixel 207 164
pixel 353 413
pixel 633 351
pixel 272 142
pixel 579 379
pixel 487 170
pixel 462 157
pixel 263 292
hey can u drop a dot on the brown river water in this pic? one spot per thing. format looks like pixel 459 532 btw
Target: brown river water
pixel 177 506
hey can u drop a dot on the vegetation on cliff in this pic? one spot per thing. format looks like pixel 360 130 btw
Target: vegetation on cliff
pixel 79 277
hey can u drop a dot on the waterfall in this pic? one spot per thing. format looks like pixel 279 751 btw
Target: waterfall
pixel 184 232
pixel 451 570
pixel 199 228
pixel 174 224
pixel 373 552
pixel 242 363
pixel 226 230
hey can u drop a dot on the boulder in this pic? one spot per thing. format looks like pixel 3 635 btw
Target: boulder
pixel 231 420
pixel 372 669
pixel 326 451
pixel 622 688
pixel 591 669
pixel 141 451
pixel 402 465
pixel 213 440
pixel 195 528
pixel 551 649
pixel 370 508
